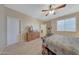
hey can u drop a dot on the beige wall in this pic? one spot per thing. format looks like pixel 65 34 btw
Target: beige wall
pixel 54 25
pixel 3 28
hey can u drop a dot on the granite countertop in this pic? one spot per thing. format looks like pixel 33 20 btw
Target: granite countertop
pixel 63 44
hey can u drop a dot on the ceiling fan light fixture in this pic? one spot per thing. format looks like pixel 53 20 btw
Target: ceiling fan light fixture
pixel 51 12
pixel 52 9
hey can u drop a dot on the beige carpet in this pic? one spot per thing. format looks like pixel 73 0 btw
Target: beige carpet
pixel 33 47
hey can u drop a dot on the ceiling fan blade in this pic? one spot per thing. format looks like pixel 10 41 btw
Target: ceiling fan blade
pixel 60 6
pixel 44 10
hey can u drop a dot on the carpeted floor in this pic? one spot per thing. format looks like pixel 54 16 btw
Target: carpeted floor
pixel 33 47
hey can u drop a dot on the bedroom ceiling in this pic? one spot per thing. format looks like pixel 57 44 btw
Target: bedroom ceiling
pixel 34 10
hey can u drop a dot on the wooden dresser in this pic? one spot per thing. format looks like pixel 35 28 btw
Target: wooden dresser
pixel 32 35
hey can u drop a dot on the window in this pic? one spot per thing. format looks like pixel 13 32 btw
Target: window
pixel 60 25
pixel 67 24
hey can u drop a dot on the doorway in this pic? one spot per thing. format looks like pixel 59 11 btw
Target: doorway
pixel 43 30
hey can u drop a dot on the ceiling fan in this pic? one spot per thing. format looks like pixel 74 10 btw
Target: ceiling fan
pixel 52 9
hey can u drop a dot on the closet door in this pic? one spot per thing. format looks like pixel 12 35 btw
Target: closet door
pixel 12 30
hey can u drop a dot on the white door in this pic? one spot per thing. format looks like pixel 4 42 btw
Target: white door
pixel 12 30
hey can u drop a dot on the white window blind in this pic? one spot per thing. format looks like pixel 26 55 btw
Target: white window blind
pixel 67 25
